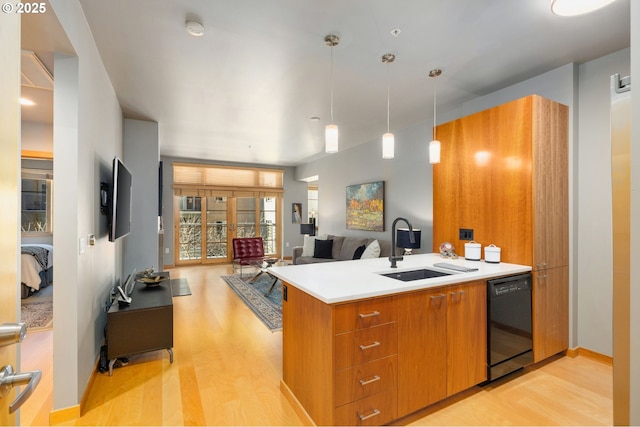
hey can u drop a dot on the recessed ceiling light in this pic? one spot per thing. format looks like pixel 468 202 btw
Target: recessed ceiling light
pixel 194 28
pixel 25 101
pixel 577 7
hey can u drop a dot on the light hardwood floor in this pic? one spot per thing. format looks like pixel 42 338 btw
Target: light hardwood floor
pixel 228 366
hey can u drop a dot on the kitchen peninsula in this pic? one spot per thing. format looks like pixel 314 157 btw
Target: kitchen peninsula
pixel 361 348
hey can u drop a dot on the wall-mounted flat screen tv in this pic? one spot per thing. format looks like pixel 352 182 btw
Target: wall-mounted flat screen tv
pixel 120 221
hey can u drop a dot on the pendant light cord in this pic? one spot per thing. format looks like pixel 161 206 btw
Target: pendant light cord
pixel 434 111
pixel 388 97
pixel 331 84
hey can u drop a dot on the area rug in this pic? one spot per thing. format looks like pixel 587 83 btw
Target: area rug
pixel 37 314
pixel 267 308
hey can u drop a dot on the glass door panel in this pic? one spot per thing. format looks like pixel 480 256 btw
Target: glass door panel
pixel 268 224
pixel 217 228
pixel 246 217
pixel 190 230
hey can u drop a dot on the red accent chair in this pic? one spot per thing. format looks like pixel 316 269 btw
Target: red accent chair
pixel 247 251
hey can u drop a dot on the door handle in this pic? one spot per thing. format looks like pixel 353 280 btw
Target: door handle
pixel 12 333
pixel 9 379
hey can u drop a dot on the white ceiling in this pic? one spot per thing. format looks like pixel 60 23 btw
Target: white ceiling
pixel 246 90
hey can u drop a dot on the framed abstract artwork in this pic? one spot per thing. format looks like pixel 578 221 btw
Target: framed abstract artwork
pixel 365 206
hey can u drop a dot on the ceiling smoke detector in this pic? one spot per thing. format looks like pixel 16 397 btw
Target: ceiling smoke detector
pixel 194 28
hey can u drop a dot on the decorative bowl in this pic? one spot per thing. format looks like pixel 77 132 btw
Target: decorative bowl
pixel 153 280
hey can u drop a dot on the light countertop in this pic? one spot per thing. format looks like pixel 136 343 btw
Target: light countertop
pixel 342 281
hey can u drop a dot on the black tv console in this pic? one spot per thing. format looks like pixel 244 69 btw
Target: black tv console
pixel 144 325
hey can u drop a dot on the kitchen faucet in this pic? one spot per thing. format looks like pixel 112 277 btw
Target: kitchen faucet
pixel 393 258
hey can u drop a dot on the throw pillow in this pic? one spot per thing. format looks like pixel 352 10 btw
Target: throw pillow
pixel 358 253
pixel 308 247
pixel 372 251
pixel 323 249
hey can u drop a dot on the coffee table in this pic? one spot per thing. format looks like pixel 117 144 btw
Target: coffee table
pixel 264 269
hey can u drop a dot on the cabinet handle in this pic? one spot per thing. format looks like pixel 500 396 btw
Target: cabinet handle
pixel 460 293
pixel 434 297
pixel 372 414
pixel 541 265
pixel 369 381
pixel 366 347
pixel 544 276
pixel 372 314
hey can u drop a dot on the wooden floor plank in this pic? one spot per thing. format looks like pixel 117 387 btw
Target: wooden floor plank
pixel 228 365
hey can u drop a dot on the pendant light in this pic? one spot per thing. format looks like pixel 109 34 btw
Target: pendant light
pixel 331 130
pixel 388 139
pixel 434 145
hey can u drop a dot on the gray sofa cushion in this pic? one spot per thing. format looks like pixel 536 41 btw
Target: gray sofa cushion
pixel 349 246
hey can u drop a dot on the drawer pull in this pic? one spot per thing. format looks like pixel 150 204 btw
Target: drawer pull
pixel 366 347
pixel 372 380
pixel 372 314
pixel 434 297
pixel 371 415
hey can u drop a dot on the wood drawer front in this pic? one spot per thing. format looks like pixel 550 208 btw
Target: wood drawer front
pixel 365 314
pixel 374 410
pixel 365 380
pixel 365 345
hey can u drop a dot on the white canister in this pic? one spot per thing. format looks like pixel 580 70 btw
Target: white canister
pixel 492 254
pixel 472 251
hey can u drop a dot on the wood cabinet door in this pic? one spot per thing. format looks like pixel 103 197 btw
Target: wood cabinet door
pixel 422 348
pixel 466 336
pixel 550 312
pixel 550 185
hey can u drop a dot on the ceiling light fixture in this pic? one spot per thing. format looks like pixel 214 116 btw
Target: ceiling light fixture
pixel 577 7
pixel 388 141
pixel 331 130
pixel 194 28
pixel 434 145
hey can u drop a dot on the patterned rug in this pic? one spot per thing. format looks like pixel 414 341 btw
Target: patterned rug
pixel 267 308
pixel 37 314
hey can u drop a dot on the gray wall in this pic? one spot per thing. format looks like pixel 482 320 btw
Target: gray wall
pixel 87 135
pixel 141 157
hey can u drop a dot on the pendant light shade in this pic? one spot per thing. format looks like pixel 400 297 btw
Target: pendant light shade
pixel 434 145
pixel 388 141
pixel 434 152
pixel 331 139
pixel 331 130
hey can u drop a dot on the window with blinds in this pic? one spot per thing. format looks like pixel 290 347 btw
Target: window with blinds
pixel 207 180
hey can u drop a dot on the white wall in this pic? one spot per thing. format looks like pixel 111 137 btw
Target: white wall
pixel 595 269
pixel 87 135
pixel 36 137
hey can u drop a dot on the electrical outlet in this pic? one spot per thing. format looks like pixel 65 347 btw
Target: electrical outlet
pixel 466 234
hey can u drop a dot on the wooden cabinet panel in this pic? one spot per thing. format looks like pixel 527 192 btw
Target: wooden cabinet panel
pixel 422 348
pixel 365 345
pixel 365 380
pixel 466 336
pixel 371 411
pixel 511 209
pixel 550 312
pixel 550 185
pixel 365 314
pixel 307 353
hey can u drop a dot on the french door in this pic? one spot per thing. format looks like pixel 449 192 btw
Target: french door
pixel 207 225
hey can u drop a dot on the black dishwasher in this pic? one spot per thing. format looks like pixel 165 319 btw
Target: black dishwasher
pixel 509 333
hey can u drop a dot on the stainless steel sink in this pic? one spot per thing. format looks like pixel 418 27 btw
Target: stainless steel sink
pixel 423 273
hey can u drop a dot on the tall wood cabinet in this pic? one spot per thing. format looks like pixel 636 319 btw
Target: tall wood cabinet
pixel 504 174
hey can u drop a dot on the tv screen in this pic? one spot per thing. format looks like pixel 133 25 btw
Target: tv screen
pixel 120 201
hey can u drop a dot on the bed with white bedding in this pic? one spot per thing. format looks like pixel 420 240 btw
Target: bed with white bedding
pixel 36 267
